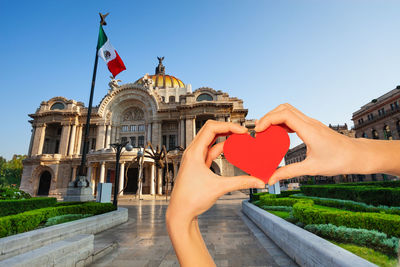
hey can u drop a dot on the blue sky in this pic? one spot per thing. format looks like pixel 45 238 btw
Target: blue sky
pixel 327 58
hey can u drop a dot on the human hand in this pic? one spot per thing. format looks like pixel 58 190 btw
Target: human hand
pixel 197 188
pixel 329 153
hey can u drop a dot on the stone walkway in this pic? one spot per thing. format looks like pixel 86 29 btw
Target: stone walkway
pixel 232 239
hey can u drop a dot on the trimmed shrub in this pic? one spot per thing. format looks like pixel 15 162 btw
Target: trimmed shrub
pixel 10 192
pixel 65 218
pixel 309 214
pixel 68 203
pixel 362 237
pixel 8 207
pixel 288 193
pixel 374 183
pixel 349 204
pixel 256 196
pixel 29 220
pixel 277 208
pixel 271 201
pixel 368 194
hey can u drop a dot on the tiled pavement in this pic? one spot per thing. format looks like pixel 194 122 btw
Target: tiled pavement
pixel 232 239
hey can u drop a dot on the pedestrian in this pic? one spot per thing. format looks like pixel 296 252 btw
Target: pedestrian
pixel 197 188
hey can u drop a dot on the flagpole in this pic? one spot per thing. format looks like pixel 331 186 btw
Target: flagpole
pixel 89 113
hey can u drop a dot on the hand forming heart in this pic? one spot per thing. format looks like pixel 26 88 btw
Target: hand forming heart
pixel 259 156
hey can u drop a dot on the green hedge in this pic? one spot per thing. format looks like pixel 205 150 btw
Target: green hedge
pixel 29 220
pixel 349 204
pixel 375 183
pixel 271 201
pixel 66 218
pixel 256 196
pixel 367 194
pixel 362 237
pixel 8 207
pixel 288 193
pixel 277 208
pixel 309 214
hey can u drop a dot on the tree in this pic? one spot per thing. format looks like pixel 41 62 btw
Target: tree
pixel 11 171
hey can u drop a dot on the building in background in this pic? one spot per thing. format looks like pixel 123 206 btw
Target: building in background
pixel 379 119
pixel 298 154
pixel 158 108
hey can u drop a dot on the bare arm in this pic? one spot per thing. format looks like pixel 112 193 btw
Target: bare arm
pixel 196 189
pixel 328 152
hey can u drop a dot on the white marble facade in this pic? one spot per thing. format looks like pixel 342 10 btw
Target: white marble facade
pixel 157 108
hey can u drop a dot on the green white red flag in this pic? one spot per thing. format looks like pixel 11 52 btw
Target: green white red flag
pixel 107 52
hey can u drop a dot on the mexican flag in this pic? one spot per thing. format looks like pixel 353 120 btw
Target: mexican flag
pixel 107 52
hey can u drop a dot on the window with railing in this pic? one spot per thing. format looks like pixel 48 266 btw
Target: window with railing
pixel 387 133
pixel 381 111
pixel 141 141
pixel 370 117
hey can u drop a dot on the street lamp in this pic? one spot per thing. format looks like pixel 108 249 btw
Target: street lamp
pixel 167 177
pixel 118 151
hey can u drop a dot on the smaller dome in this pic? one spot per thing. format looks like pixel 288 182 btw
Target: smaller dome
pixel 163 81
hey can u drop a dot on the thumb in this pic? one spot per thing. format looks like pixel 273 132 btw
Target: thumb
pixel 288 171
pixel 234 183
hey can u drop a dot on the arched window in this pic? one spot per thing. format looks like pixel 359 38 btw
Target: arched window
pixel 204 97
pixel 57 105
pixel 163 99
pixel 171 99
pixel 375 134
pixel 387 133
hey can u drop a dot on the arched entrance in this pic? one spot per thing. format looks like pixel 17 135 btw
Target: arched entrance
pixel 44 184
pixel 132 184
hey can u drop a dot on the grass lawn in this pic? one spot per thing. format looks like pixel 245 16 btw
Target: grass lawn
pixel 282 214
pixel 369 254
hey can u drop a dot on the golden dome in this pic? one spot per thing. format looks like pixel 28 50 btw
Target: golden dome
pixel 163 81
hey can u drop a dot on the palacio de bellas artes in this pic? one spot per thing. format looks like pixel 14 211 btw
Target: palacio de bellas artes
pixel 159 109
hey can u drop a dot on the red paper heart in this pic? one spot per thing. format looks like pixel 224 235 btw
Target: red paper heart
pixel 259 156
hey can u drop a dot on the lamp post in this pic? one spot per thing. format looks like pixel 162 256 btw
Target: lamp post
pixel 118 151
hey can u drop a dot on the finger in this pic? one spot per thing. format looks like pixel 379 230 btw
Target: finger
pixel 233 183
pixel 289 171
pixel 212 128
pixel 286 117
pixel 214 152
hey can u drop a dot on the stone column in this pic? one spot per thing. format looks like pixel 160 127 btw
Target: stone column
pixel 102 172
pixel 121 178
pixel 108 136
pixel 89 173
pixel 113 133
pixel 79 140
pixel 117 130
pixel 148 133
pixel 159 181
pixel 152 179
pixel 38 140
pixel 221 117
pixel 100 136
pixel 64 142
pixel 72 140
pixel 181 133
pixel 175 170
pixel 157 135
pixel 190 129
pixel 74 168
pixel 31 141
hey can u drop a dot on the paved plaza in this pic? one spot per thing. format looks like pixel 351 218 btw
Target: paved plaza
pixel 233 240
